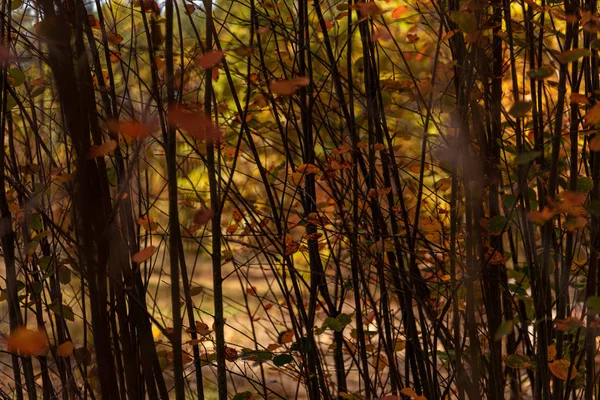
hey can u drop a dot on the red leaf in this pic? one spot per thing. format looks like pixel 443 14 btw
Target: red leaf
pixel 203 216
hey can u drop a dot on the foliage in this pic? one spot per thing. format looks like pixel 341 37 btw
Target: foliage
pixel 291 199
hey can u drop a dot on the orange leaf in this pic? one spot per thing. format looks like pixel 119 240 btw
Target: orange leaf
pixel 370 9
pixel 301 81
pixel 551 352
pixel 114 38
pixel 286 337
pixel 568 324
pixel 541 217
pixel 115 56
pixel 578 98
pixel 27 342
pixel 186 358
pixel 159 62
pixel 195 124
pixel 143 255
pixel 593 115
pixel 287 88
pixel 595 143
pixel 65 349
pixel 328 26
pixel 307 169
pixel 210 59
pixel 137 130
pixel 407 392
pixel 399 11
pixel 101 150
pixel 94 23
pixel 202 328
pixel 381 35
pixel 148 223
pixel 560 369
pixel 283 88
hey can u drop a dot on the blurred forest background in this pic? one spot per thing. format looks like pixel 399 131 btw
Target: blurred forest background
pixel 283 199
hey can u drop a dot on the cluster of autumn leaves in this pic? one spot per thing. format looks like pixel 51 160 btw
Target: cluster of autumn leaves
pixel 570 204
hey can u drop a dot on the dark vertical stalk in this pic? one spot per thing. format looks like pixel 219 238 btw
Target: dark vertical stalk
pixel 174 229
pixel 215 202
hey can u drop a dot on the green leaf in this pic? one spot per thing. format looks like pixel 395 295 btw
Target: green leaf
pixel 273 175
pixel 111 174
pixel 509 201
pixel 542 73
pixel 256 355
pixel 196 290
pixel 14 4
pixel 35 222
pixel 593 304
pixel 584 184
pixel 10 102
pixel 243 396
pixel 526 158
pixel 18 78
pixel 517 361
pixel 504 329
pixel 46 263
pixel 36 287
pixel 594 207
pixel 344 319
pixel 520 108
pixel 337 324
pixel 466 21
pixel 283 359
pixel 497 224
pixel 334 324
pixel 37 91
pixel 301 344
pixel 573 55
pixel 64 275
pixel 63 310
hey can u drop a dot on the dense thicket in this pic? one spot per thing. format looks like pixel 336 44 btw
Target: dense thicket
pixel 292 199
